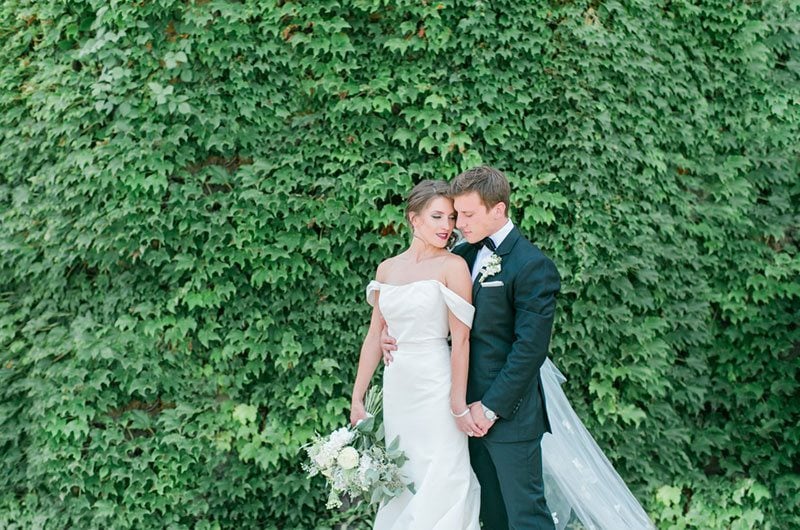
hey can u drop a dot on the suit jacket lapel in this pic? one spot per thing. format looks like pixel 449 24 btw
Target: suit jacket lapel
pixel 469 255
pixel 509 242
pixel 505 248
pixel 476 286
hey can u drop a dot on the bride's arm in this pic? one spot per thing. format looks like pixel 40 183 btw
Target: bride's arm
pixel 370 353
pixel 459 281
pixel 367 363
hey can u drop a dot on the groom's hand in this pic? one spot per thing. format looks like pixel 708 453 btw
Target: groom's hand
pixel 480 420
pixel 388 345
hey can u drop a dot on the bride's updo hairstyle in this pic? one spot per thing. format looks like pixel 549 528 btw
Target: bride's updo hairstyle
pixel 423 193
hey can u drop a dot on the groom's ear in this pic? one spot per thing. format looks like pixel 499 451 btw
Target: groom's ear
pixel 500 210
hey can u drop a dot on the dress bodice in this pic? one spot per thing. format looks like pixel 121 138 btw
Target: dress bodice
pixel 418 311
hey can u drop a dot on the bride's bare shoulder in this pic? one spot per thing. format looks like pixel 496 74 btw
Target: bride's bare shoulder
pixel 454 262
pixel 455 270
pixel 457 277
pixel 385 268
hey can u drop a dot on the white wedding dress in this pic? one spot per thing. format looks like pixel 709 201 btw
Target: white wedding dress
pixel 416 407
pixel 580 482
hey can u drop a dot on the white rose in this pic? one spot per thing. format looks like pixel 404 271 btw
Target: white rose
pixel 348 458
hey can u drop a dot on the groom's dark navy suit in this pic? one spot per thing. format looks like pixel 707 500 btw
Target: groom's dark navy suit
pixel 508 343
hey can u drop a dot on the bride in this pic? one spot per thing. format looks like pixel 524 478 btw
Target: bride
pixel 423 295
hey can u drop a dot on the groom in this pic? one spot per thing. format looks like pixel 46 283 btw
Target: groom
pixel 514 306
pixel 514 294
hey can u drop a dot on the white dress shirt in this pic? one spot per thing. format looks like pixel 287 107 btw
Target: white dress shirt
pixel 484 252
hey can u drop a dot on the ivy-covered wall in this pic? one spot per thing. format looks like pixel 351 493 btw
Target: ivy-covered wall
pixel 193 195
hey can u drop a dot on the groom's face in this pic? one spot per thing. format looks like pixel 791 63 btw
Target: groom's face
pixel 475 220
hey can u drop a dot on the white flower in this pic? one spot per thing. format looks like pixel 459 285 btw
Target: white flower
pixel 368 473
pixel 333 500
pixel 340 437
pixel 491 265
pixel 324 456
pixel 348 458
pixel 365 464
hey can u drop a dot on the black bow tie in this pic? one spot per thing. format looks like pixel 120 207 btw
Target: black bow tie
pixel 486 242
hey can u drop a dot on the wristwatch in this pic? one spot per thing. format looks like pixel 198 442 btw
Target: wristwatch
pixel 488 413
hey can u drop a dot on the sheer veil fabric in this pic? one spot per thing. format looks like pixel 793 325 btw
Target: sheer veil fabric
pixel 579 480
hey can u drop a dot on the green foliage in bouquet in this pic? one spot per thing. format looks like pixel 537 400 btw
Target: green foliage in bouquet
pixel 393 483
pixel 357 463
pixel 194 194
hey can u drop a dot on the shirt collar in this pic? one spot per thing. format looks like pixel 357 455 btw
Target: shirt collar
pixel 501 234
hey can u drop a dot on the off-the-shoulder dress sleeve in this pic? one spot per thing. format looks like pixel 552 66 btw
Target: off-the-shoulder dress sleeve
pixel 463 310
pixel 372 287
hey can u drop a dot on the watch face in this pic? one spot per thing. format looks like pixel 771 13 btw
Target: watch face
pixel 489 414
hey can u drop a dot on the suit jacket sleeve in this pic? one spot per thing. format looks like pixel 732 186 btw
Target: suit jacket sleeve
pixel 535 289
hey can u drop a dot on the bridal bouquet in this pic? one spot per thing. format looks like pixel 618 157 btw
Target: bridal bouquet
pixel 355 460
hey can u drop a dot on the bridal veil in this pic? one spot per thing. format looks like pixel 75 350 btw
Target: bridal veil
pixel 578 477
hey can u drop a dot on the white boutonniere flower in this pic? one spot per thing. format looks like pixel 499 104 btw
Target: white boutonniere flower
pixel 491 266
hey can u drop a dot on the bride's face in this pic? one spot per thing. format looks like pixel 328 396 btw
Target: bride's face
pixel 436 222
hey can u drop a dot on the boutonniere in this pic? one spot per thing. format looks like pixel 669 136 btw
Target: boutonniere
pixel 491 266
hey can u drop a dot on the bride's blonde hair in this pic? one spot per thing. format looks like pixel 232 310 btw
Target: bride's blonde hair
pixel 423 193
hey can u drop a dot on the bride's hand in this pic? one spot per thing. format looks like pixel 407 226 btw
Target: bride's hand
pixel 357 412
pixel 468 426
pixel 476 413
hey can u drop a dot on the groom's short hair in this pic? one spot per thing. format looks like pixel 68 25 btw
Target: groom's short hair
pixel 489 183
